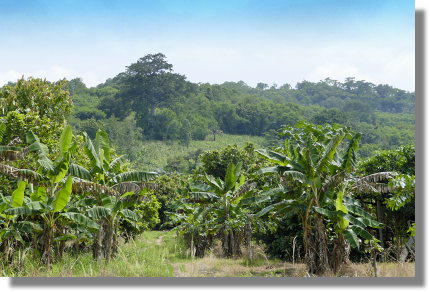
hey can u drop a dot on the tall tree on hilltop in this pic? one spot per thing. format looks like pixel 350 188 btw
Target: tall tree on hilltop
pixel 150 83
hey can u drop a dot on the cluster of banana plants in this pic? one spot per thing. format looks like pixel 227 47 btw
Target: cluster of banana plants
pixel 60 200
pixel 316 166
pixel 217 209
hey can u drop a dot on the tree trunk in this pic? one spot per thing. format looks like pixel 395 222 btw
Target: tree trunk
pixel 107 241
pixel 97 243
pixel 114 243
pixel 340 253
pixel 407 248
pixel 47 245
pixel 374 264
pixel 248 238
pixel 316 250
pixel 6 250
pixel 379 214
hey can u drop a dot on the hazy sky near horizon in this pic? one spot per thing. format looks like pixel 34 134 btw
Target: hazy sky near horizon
pixel 272 41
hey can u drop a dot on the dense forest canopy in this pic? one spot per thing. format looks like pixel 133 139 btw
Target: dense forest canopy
pixel 152 101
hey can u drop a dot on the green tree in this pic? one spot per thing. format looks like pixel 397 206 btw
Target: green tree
pixel 34 105
pixel 149 84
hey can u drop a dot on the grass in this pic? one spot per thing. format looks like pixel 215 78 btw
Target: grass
pixel 158 254
pixel 151 255
pixel 157 153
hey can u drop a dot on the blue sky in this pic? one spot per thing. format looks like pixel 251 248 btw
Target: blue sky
pixel 272 41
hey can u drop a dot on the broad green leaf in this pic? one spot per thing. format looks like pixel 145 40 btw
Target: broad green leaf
pixel 28 227
pixel 79 171
pixel 66 139
pixel 330 214
pixel 30 137
pixel 4 148
pixel 65 237
pixel 46 164
pixel 130 215
pixel 116 163
pixel 271 169
pixel 80 219
pixel 62 168
pixel 127 194
pixel 354 221
pixel 230 177
pixel 99 212
pixel 91 153
pixel 102 142
pixel 109 201
pixel 342 221
pixel 358 211
pixel 39 194
pixel 329 151
pixel 213 182
pixel 352 238
pixel 18 194
pixel 269 208
pixel 296 175
pixel 274 157
pixel 63 195
pixel 362 232
pixel 21 211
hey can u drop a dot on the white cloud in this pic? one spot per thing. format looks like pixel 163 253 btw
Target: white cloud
pixel 52 73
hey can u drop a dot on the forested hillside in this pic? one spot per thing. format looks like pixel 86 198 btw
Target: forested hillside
pixel 149 101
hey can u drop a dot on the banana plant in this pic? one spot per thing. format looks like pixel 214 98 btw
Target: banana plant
pixel 54 187
pixel 13 227
pixel 51 210
pixel 313 161
pixel 106 177
pixel 350 223
pixel 192 221
pixel 227 199
pixel 112 210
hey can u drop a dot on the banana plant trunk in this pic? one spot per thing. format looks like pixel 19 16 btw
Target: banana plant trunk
pixel 316 249
pixel 6 251
pixel 248 237
pixel 97 243
pixel 108 240
pixel 48 238
pixel 340 254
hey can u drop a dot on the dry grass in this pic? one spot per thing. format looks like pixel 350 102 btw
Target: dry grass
pixel 393 269
pixel 211 266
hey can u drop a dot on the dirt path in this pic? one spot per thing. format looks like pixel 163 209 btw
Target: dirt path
pixel 159 240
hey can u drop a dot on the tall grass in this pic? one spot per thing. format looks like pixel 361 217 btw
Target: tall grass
pixel 160 254
pixel 151 255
